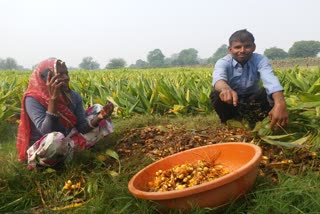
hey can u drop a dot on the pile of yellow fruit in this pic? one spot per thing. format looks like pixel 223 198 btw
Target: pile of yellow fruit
pixel 70 186
pixel 186 175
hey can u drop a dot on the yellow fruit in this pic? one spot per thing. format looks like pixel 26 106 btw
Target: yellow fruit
pixel 101 157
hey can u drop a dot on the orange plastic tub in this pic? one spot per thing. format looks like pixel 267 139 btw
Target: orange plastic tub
pixel 242 159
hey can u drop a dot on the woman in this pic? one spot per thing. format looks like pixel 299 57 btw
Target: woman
pixel 53 122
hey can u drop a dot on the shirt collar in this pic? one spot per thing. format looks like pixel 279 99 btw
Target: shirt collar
pixel 235 64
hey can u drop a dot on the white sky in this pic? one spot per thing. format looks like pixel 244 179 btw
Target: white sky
pixel 32 30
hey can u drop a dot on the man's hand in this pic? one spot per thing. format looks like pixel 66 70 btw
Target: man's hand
pixel 226 94
pixel 278 115
pixel 229 96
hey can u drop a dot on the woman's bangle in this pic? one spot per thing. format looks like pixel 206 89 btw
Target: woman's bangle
pixel 52 114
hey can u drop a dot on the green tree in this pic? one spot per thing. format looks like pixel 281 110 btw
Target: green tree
pixel 155 58
pixel 141 64
pixel 275 53
pixel 188 57
pixel 220 52
pixel 172 60
pixel 89 64
pixel 2 64
pixel 116 63
pixel 302 49
pixel 9 64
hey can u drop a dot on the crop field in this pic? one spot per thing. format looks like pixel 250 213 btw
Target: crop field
pixel 133 91
pixel 155 109
pixel 176 91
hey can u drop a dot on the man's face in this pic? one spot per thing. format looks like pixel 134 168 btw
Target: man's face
pixel 242 51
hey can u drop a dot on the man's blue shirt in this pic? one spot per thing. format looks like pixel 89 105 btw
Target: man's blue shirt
pixel 246 80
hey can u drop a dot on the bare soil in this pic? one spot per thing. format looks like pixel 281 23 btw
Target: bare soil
pixel 158 142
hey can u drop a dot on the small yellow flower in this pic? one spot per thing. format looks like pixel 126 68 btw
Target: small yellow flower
pixel 101 157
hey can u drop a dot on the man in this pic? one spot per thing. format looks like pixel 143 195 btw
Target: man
pixel 237 84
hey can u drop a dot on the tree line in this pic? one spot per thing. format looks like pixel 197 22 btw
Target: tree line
pixel 186 57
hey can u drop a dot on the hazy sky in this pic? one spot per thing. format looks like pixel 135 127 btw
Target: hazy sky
pixel 32 30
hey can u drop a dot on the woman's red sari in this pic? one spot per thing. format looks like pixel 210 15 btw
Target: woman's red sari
pixel 38 89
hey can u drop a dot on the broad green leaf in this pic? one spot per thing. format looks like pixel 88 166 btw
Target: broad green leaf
pixel 277 137
pixel 292 144
pixel 114 155
pixel 307 97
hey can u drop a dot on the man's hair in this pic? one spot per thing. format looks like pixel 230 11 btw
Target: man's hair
pixel 241 36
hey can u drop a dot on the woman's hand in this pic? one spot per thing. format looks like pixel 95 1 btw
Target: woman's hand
pixel 106 111
pixel 54 89
pixel 54 86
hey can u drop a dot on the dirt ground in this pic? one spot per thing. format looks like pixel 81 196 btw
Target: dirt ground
pixel 160 141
